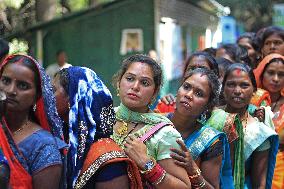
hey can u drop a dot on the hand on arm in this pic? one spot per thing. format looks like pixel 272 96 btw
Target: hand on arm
pixel 176 176
pixel 184 159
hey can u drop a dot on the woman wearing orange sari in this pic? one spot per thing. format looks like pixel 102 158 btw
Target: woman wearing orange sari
pixel 30 128
pixel 270 79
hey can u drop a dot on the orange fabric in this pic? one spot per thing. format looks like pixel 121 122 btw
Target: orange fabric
pixel 278 178
pixel 164 108
pixel 106 145
pixel 279 120
pixel 19 177
pixel 260 69
pixel 260 96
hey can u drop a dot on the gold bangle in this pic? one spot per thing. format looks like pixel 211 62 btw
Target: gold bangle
pixel 201 185
pixel 161 178
pixel 198 173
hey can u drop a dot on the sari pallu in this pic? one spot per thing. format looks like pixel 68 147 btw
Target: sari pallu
pixel 261 98
pixel 201 140
pixel 47 118
pixel 278 179
pixel 104 152
pixel 253 136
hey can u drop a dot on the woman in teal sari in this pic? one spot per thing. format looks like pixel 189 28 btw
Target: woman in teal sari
pixel 253 144
pixel 206 152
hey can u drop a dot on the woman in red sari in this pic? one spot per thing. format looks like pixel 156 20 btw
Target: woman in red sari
pixel 30 128
pixel 270 80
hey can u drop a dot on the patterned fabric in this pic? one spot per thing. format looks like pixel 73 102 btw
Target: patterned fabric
pixel 200 141
pixel 261 98
pixel 102 153
pixel 48 119
pixel 91 117
pixel 44 153
pixel 3 159
pixel 253 136
pixel 149 119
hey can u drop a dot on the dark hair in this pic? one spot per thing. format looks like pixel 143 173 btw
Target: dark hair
pixel 209 59
pixel 29 63
pixel 223 63
pixel 156 68
pixel 251 39
pixel 271 30
pixel 213 84
pixel 236 52
pixel 63 79
pixel 4 48
pixel 59 52
pixel 212 51
pixel 241 67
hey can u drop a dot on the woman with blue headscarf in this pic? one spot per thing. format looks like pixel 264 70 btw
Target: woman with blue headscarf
pixel 93 160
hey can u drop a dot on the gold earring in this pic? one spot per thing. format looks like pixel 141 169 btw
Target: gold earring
pixel 117 91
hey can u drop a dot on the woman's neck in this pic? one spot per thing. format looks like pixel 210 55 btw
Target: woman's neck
pixel 16 120
pixel 184 125
pixel 240 111
pixel 275 96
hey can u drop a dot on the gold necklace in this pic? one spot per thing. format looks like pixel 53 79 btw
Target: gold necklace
pixel 21 128
pixel 123 129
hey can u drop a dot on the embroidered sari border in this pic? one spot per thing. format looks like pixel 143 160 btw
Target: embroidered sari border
pixel 86 175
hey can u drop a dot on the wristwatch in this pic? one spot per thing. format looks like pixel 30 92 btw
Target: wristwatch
pixel 149 165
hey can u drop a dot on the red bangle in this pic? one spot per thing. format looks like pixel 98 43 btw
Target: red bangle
pixel 155 174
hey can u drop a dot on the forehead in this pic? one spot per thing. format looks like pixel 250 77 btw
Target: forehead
pixel 276 65
pixel 140 69
pixel 199 80
pixel 244 40
pixel 239 75
pixel 18 72
pixel 273 37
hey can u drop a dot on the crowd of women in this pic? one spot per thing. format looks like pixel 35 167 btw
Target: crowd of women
pixel 224 127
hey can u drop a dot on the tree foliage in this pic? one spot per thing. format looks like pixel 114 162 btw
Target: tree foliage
pixel 255 14
pixel 18 15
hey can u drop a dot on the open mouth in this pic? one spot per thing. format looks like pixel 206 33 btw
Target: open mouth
pixel 185 104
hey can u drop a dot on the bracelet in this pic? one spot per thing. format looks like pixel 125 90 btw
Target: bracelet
pixel 198 173
pixel 161 178
pixel 200 185
pixel 155 174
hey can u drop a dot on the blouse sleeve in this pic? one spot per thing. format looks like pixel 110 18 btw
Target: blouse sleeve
pixel 215 150
pixel 44 152
pixel 264 146
pixel 165 140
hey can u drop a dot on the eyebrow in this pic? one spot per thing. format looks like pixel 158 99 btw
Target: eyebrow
pixel 194 87
pixel 144 77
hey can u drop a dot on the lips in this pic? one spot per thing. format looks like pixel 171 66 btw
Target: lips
pixel 133 96
pixel 11 100
pixel 238 99
pixel 185 104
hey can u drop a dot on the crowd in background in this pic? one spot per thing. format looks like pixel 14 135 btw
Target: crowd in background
pixel 224 127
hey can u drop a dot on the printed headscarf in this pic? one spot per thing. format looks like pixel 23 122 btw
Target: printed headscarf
pixel 91 116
